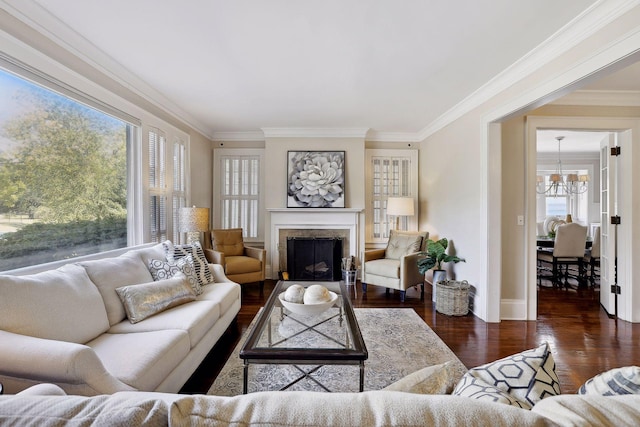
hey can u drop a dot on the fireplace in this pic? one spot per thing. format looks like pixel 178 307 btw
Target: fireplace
pixel 314 258
pixel 336 223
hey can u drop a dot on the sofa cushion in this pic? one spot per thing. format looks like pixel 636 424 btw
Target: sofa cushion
pixel 371 408
pixel 144 359
pixel 384 267
pixel 195 318
pixel 175 252
pixel 148 253
pixel 106 410
pixel 225 294
pixel 590 410
pixel 241 264
pixel 625 380
pixel 146 299
pixel 520 380
pixel 161 270
pixel 436 379
pixel 59 304
pixel 111 273
pixel 403 243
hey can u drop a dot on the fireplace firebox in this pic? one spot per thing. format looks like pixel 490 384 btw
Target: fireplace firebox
pixel 314 258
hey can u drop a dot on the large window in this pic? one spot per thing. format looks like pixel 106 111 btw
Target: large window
pixel 63 176
pixel 389 173
pixel 237 191
pixel 79 176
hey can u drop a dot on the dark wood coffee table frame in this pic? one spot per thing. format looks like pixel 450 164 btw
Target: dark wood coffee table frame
pixel 355 355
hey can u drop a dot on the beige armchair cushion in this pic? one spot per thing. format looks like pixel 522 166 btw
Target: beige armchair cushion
pixel 404 243
pixel 228 241
pixel 242 264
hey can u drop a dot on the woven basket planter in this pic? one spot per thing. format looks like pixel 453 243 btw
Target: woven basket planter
pixel 452 297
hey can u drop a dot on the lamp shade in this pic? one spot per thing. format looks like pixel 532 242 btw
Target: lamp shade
pixel 400 206
pixel 193 219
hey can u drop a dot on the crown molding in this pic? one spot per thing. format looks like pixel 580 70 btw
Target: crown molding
pixel 375 136
pixel 583 26
pixel 238 136
pixel 577 30
pixel 315 132
pixel 617 98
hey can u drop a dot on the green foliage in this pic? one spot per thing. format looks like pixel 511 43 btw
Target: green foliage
pixel 67 162
pixel 39 237
pixel 436 254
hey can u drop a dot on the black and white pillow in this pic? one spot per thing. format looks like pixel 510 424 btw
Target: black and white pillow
pixel 615 382
pixel 520 380
pixel 162 270
pixel 175 252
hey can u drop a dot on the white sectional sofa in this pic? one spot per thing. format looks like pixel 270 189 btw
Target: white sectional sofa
pixel 68 326
pixel 45 406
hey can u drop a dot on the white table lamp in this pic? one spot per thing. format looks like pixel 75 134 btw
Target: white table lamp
pixel 193 221
pixel 400 206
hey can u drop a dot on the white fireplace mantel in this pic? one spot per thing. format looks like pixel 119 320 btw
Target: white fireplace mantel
pixel 312 218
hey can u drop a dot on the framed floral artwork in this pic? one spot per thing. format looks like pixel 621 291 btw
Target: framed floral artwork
pixel 315 179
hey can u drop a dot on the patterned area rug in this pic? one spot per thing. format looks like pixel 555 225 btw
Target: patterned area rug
pixel 399 342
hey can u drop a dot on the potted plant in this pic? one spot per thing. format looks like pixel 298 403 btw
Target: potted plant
pixel 435 255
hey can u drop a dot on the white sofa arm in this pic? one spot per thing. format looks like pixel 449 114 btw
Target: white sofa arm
pixel 218 273
pixel 60 362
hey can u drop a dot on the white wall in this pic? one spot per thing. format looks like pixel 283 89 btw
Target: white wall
pixel 461 191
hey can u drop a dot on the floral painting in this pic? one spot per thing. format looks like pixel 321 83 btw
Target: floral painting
pixel 315 179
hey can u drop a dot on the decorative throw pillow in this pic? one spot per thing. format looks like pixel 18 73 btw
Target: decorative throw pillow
pixel 146 299
pixel 162 270
pixel 436 379
pixel 615 382
pixel 520 380
pixel 175 252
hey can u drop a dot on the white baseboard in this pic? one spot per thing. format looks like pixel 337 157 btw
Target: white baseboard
pixel 513 309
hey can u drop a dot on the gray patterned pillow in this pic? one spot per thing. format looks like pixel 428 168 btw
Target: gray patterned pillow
pixel 162 270
pixel 175 252
pixel 520 380
pixel 614 382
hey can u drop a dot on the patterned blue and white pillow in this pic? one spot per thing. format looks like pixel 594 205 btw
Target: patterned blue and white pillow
pixel 161 270
pixel 175 252
pixel 625 380
pixel 520 380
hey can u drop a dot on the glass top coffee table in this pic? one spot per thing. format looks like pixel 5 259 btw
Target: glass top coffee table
pixel 282 337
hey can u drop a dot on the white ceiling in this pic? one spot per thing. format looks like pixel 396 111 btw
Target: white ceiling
pixel 241 66
pixel 573 142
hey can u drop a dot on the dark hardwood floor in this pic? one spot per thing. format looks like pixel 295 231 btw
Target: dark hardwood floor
pixel 584 340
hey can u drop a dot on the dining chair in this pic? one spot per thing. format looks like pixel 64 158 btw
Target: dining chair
pixel 568 250
pixel 593 257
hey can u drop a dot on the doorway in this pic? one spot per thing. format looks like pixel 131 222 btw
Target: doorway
pixel 624 129
pixel 573 186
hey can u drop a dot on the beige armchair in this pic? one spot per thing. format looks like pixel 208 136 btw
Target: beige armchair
pixel 242 264
pixel 395 267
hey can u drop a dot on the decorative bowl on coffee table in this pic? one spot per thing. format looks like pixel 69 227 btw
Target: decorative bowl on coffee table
pixel 308 309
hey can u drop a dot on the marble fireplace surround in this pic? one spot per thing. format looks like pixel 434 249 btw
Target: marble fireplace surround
pixel 310 222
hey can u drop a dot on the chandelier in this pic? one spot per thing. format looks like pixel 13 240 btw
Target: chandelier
pixel 558 184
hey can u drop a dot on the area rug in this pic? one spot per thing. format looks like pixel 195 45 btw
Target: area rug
pixel 398 341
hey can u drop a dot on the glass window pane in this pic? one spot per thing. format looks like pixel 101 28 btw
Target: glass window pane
pixel 63 176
